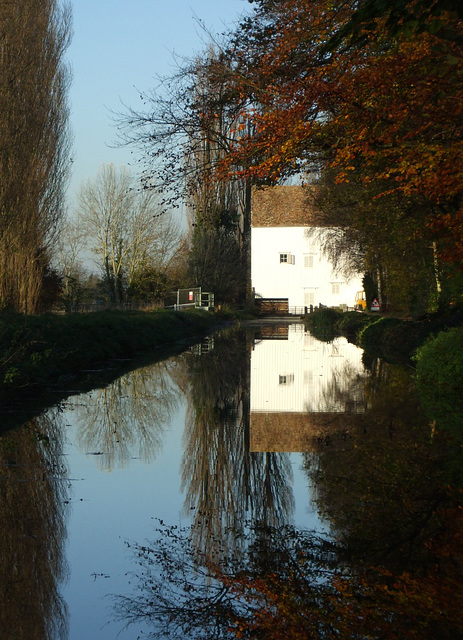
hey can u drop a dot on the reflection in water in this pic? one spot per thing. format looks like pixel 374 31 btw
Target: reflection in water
pixel 378 475
pixel 126 418
pixel 33 492
pixel 226 485
pixel 297 384
pixel 392 566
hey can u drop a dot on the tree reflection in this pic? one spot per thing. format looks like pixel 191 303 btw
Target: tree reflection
pixel 127 417
pixel 288 585
pixel 378 475
pixel 224 483
pixel 33 492
pixel 391 567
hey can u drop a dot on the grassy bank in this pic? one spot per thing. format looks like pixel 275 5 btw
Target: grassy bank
pixel 433 345
pixel 37 352
pixel 392 338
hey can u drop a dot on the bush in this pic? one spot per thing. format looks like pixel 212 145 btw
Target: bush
pixel 381 332
pixel 439 378
pixel 351 323
pixel 322 323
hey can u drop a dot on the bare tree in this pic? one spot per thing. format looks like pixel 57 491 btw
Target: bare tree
pixel 34 144
pixel 125 228
pixel 185 130
pixel 69 265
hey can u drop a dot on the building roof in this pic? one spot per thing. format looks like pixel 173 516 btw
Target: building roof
pixel 297 432
pixel 283 206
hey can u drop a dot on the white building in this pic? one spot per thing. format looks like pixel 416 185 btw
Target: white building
pixel 287 261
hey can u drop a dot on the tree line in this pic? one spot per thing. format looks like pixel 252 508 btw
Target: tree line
pixel 362 102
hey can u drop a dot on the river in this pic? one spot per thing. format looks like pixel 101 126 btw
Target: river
pixel 114 499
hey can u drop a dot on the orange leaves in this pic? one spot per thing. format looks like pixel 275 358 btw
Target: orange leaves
pixel 386 113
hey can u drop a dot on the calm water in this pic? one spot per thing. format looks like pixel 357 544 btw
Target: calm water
pixel 264 426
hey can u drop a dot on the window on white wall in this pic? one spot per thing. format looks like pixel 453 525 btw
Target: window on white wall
pixel 286 379
pixel 335 288
pixel 308 260
pixel 287 258
pixel 309 298
pixel 308 377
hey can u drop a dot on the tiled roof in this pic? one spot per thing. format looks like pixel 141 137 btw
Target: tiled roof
pixel 282 206
pixel 297 432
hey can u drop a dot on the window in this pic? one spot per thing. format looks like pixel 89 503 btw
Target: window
pixel 335 288
pixel 309 298
pixel 308 261
pixel 287 258
pixel 308 377
pixel 287 379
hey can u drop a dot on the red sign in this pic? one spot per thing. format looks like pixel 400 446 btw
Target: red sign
pixel 374 305
pixel 190 295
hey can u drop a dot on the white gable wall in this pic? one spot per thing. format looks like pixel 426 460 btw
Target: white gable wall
pixel 306 278
pixel 295 375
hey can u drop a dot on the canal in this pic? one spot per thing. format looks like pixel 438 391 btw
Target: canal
pixel 176 500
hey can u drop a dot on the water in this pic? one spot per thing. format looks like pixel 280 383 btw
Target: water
pixel 264 426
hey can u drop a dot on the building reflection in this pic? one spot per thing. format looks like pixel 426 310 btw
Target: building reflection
pixel 299 386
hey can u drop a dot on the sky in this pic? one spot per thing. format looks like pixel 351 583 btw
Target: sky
pixel 119 47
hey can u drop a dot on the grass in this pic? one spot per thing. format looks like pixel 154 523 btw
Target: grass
pixel 392 338
pixel 37 352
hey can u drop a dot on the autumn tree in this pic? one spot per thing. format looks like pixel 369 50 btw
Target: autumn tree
pixel 34 144
pixel 125 228
pixel 381 111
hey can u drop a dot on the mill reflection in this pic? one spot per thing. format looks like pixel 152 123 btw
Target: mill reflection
pixel 126 419
pixel 33 499
pixel 254 398
pixel 298 385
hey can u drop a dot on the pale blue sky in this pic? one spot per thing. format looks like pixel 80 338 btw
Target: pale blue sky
pixel 120 46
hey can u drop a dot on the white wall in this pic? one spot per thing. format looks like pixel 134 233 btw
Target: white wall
pixel 310 280
pixel 297 375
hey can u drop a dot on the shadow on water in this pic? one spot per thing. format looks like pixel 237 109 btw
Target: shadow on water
pixel 20 406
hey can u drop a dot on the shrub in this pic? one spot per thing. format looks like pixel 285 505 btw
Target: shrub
pixel 439 378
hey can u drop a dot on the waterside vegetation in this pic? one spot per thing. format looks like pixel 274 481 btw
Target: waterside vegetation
pixel 432 345
pixel 51 350
pixel 391 337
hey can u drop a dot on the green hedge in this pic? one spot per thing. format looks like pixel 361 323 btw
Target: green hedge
pixel 439 378
pixel 38 350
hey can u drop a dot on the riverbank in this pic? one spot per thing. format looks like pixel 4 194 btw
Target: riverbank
pixel 58 351
pixel 389 337
pixel 433 346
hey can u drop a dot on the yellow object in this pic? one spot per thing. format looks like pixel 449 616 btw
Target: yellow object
pixel 360 301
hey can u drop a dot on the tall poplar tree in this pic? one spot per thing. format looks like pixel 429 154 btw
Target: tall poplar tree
pixel 34 144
